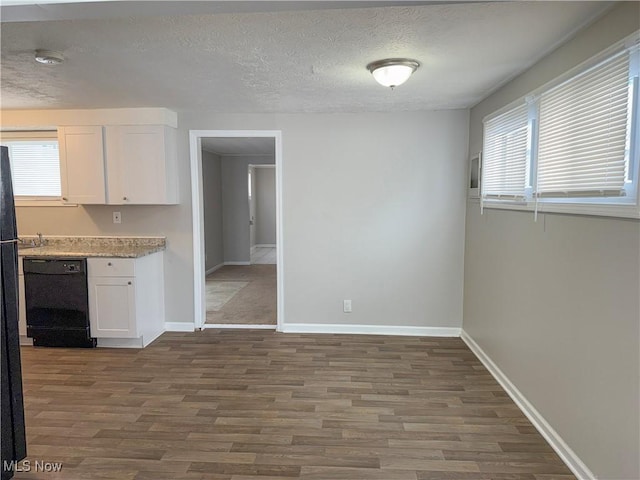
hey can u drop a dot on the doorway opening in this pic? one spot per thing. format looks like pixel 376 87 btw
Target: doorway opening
pixel 237 228
pixel 262 214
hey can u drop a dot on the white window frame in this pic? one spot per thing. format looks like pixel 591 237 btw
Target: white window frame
pixel 627 206
pixel 31 136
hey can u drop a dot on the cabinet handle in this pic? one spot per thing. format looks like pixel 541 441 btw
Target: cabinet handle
pixel 124 198
pixel 128 283
pixel 109 264
pixel 64 198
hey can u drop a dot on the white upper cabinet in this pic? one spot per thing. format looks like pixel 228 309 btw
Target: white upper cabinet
pixel 119 165
pixel 82 172
pixel 141 163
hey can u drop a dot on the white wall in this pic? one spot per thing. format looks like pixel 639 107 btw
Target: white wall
pixel 378 199
pixel 235 205
pixel 212 195
pixel 252 209
pixel 373 208
pixel 265 195
pixel 555 303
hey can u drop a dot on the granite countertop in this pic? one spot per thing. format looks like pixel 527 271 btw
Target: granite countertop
pixel 123 247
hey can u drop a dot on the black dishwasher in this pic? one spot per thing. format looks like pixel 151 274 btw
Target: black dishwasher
pixel 57 303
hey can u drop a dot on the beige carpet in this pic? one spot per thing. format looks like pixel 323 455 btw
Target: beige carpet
pixel 220 292
pixel 242 295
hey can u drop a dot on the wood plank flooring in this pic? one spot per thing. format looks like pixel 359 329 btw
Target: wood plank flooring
pixel 258 405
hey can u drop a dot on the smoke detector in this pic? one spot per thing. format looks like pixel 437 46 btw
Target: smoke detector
pixel 49 57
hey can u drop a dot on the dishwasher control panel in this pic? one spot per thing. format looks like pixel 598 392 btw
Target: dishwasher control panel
pixel 57 266
pixel 72 267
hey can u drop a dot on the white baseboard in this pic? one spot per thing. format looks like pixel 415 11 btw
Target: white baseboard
pixel 178 327
pixel 120 343
pixel 237 326
pixel 213 269
pixel 265 245
pixel 139 342
pixel 237 263
pixel 370 329
pixel 149 337
pixel 568 456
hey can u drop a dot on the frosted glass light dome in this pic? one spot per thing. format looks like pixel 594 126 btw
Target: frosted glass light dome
pixel 392 71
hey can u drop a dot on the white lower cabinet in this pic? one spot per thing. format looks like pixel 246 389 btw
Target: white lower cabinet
pixel 126 300
pixel 113 307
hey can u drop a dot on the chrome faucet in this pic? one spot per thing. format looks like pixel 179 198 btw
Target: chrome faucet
pixel 40 239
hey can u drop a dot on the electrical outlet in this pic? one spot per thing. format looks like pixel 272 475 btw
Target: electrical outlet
pixel 346 306
pixel 117 217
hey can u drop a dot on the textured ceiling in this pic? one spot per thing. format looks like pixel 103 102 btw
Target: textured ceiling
pixel 25 10
pixel 284 61
pixel 240 145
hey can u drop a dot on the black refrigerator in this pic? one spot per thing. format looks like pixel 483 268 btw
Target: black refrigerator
pixel 14 447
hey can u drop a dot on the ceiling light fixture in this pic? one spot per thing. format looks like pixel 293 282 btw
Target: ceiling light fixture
pixel 392 72
pixel 49 57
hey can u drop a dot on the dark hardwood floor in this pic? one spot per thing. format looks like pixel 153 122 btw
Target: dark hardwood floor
pixel 254 404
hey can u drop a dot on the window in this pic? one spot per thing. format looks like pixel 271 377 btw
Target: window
pixel 505 155
pixel 584 132
pixel 35 165
pixel 572 145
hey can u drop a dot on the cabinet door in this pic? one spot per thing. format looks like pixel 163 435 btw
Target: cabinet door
pixel 112 307
pixel 137 165
pixel 82 165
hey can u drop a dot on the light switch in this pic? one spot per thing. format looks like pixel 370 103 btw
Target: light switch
pixel 117 218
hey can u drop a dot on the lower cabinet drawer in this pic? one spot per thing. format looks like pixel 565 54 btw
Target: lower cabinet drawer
pixel 111 267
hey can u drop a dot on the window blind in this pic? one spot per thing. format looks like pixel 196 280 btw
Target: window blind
pixel 504 168
pixel 583 133
pixel 35 168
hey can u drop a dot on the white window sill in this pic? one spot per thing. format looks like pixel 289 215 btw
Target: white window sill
pixel 599 210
